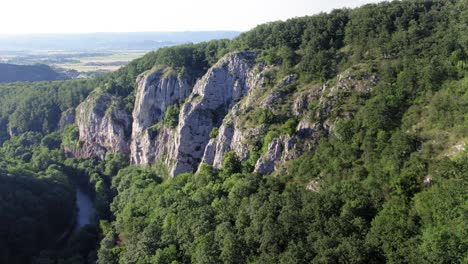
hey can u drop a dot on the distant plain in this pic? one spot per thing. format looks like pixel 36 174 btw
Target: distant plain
pixel 90 54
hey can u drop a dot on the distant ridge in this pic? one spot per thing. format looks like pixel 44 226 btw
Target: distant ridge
pixel 108 41
pixel 27 73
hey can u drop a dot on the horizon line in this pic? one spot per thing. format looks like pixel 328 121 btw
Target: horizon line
pixel 116 32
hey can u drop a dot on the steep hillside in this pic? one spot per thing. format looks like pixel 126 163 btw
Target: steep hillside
pixel 39 106
pixel 334 138
pixel 27 73
pixel 300 78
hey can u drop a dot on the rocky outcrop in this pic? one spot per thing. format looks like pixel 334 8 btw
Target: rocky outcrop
pixel 67 118
pixel 213 96
pixel 227 97
pixel 307 100
pixel 206 105
pixel 456 149
pixel 349 81
pixel 104 126
pixel 157 89
pixel 231 136
pixel 313 186
pixel 316 108
pixel 278 93
pixel 279 151
pixel 153 145
pixel 306 128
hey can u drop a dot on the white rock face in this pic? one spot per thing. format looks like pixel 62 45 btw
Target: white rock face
pixel 207 103
pixel 104 126
pixel 230 137
pixel 223 98
pixel 67 118
pixel 313 186
pixel 152 148
pixel 280 150
pixel 224 84
pixel 156 91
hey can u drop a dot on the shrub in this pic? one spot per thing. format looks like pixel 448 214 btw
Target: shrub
pixel 289 127
pixel 171 116
pixel 272 134
pixel 70 136
pixel 231 163
pixel 265 116
pixel 214 132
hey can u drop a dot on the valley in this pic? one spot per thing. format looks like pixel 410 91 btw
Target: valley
pixel 91 54
pixel 74 64
pixel 339 137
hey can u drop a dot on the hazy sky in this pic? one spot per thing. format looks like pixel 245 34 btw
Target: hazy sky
pixel 66 16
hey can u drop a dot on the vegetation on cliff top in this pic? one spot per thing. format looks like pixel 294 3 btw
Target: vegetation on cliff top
pixel 391 189
pixel 392 177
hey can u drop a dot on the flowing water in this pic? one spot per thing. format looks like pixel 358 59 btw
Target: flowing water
pixel 86 210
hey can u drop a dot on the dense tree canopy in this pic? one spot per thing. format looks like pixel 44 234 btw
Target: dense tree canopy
pixel 38 106
pixel 387 184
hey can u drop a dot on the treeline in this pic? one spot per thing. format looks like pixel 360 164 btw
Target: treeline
pixel 317 47
pixel 190 59
pixel 38 106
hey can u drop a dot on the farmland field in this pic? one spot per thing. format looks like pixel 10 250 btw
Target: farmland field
pixel 104 62
pixel 89 54
pixel 74 64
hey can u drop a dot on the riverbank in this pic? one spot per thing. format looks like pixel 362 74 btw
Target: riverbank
pixel 85 210
pixel 83 216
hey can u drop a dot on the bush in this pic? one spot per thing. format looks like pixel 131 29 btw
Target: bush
pixel 231 163
pixel 289 127
pixel 171 116
pixel 70 136
pixel 52 140
pixel 265 116
pixel 214 132
pixel 272 134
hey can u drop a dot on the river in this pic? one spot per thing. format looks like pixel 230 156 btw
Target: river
pixel 86 210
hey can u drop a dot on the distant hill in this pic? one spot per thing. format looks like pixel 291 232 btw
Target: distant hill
pixel 27 73
pixel 108 41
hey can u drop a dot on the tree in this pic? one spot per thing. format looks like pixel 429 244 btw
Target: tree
pixel 171 116
pixel 231 163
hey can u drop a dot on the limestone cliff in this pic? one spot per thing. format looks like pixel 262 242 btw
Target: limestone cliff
pixel 231 136
pixel 104 126
pixel 230 96
pixel 213 96
pixel 203 107
pixel 316 108
pixel 157 90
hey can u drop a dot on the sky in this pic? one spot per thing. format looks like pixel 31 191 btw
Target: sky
pixel 86 16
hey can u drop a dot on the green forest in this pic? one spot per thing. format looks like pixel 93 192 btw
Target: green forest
pixel 391 181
